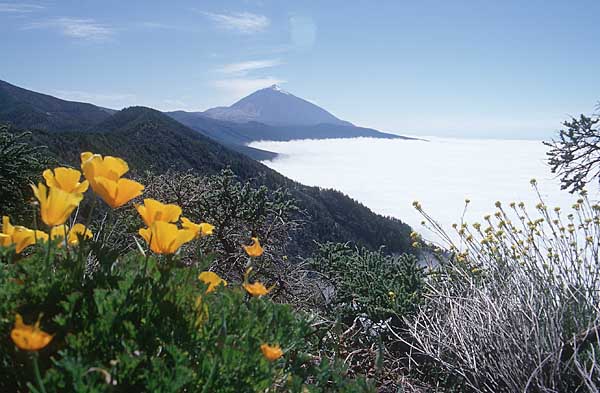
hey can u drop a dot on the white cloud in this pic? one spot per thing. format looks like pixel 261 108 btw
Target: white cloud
pixel 240 87
pixel 113 101
pixel 76 28
pixel 242 22
pixel 246 66
pixel 483 170
pixel 19 8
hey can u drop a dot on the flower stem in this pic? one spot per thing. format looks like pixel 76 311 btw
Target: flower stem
pixel 36 370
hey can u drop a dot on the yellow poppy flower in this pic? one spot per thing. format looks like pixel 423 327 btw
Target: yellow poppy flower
pixel 104 175
pixel 271 352
pixel 212 280
pixel 67 179
pixel 20 236
pixel 56 205
pixel 254 250
pixel 165 238
pixel 153 210
pixel 59 232
pixel 202 229
pixel 29 337
pixel 256 289
pixel 94 165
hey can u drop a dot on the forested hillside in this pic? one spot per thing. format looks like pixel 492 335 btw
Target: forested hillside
pixel 150 140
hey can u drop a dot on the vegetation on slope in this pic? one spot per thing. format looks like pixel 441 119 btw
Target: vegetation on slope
pixel 141 320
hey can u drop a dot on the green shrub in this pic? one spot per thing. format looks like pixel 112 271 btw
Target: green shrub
pixel 123 319
pixel 360 282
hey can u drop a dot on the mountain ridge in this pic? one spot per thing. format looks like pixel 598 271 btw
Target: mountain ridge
pixel 276 107
pixel 28 109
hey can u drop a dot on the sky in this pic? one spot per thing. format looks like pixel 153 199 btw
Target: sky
pixel 471 68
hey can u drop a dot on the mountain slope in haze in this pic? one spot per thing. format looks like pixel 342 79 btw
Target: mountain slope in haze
pixel 274 106
pixel 27 109
pixel 243 133
pixel 150 140
pixel 272 114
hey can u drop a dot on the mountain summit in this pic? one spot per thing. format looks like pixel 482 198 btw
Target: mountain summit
pixel 274 106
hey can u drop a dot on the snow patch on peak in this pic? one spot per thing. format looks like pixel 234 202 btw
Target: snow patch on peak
pixel 277 88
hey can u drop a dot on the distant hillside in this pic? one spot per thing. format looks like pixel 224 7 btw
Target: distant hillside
pixel 150 140
pixel 27 109
pixel 274 106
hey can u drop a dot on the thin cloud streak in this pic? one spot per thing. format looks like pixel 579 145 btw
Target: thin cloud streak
pixel 242 22
pixel 246 66
pixel 20 8
pixel 79 28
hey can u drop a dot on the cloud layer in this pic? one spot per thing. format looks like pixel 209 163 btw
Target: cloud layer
pixel 387 175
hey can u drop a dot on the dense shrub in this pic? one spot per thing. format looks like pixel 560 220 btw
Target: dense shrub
pixel 358 282
pixel 363 297
pixel 238 210
pixel 20 164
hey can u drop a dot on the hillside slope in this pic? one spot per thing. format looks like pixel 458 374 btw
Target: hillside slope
pixel 150 140
pixel 27 109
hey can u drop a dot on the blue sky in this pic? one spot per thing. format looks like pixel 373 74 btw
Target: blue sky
pixel 480 68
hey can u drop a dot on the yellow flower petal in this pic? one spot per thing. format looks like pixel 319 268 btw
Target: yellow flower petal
pixel 117 193
pixel 67 179
pixel 78 230
pixel 94 165
pixel 59 232
pixel 7 232
pixel 255 249
pixel 165 238
pixel 202 229
pixel 212 280
pixel 256 289
pixel 22 238
pixel 127 190
pixel 56 205
pixel 271 352
pixel 29 337
pixel 153 210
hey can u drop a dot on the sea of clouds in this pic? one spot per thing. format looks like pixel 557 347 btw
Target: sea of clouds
pixel 388 175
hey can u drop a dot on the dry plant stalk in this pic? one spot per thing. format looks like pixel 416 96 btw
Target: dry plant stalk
pixel 514 306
